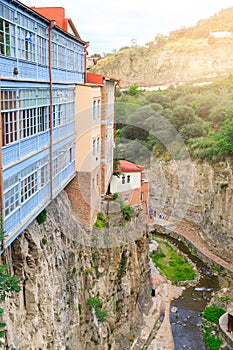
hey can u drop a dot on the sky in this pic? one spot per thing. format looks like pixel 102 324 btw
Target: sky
pixel 111 24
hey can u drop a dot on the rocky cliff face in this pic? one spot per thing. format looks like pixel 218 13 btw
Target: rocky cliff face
pixel 60 270
pixel 183 62
pixel 199 193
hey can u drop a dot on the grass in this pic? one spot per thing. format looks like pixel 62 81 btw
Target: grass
pixel 211 317
pixel 172 264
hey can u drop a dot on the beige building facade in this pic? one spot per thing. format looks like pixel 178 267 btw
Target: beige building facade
pixel 84 191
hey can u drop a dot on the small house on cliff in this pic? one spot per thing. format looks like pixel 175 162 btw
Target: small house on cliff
pixel 131 185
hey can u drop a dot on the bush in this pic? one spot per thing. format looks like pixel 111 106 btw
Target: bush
pixel 213 313
pixel 44 241
pixel 101 315
pixel 101 220
pixel 127 210
pixel 42 217
pixel 94 302
pixel 115 195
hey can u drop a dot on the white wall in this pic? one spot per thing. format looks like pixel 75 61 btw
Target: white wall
pixel 116 185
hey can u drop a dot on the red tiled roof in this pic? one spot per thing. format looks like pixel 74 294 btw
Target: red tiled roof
pixel 125 166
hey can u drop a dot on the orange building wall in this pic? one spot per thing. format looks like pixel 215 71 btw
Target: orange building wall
pixel 57 13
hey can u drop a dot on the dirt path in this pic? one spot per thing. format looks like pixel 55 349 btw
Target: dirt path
pixel 155 332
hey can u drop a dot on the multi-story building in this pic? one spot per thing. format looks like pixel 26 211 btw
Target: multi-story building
pixel 95 145
pixel 40 65
pixel 108 124
pixel 84 190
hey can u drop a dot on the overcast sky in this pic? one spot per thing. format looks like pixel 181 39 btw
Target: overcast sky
pixel 112 24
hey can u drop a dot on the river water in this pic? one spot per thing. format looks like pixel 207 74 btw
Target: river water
pixel 185 312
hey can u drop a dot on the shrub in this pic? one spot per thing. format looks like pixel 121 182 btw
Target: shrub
pixel 44 241
pixel 213 313
pixel 127 210
pixel 94 302
pixel 115 195
pixel 101 315
pixel 101 220
pixel 42 217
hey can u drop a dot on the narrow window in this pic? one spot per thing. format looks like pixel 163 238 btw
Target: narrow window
pixel 99 109
pixel 28 187
pixel 142 196
pixel 42 119
pixel 94 110
pixel 71 155
pixel 11 199
pixel 128 179
pixel 98 145
pixel 44 175
pixel 9 121
pixel 5 48
pixel 123 179
pixel 93 147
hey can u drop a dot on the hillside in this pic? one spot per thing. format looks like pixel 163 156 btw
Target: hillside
pixel 189 55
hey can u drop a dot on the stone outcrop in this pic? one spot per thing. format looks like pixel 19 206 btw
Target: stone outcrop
pixel 176 63
pixel 60 268
pixel 201 194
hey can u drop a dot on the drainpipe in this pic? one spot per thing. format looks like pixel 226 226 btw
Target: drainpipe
pixel 1 181
pixel 85 61
pixel 114 127
pixel 51 26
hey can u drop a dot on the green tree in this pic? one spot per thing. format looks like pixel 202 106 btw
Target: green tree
pixel 225 137
pixel 182 115
pixel 133 90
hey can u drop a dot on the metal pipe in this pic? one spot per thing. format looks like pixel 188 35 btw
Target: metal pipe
pixel 85 61
pixel 1 181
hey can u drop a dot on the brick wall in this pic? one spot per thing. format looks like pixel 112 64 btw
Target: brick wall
pixel 84 197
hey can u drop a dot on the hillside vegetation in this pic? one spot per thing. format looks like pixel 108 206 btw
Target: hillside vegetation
pixel 188 55
pixel 171 123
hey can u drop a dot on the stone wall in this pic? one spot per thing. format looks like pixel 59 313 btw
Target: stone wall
pixel 199 193
pixel 61 266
